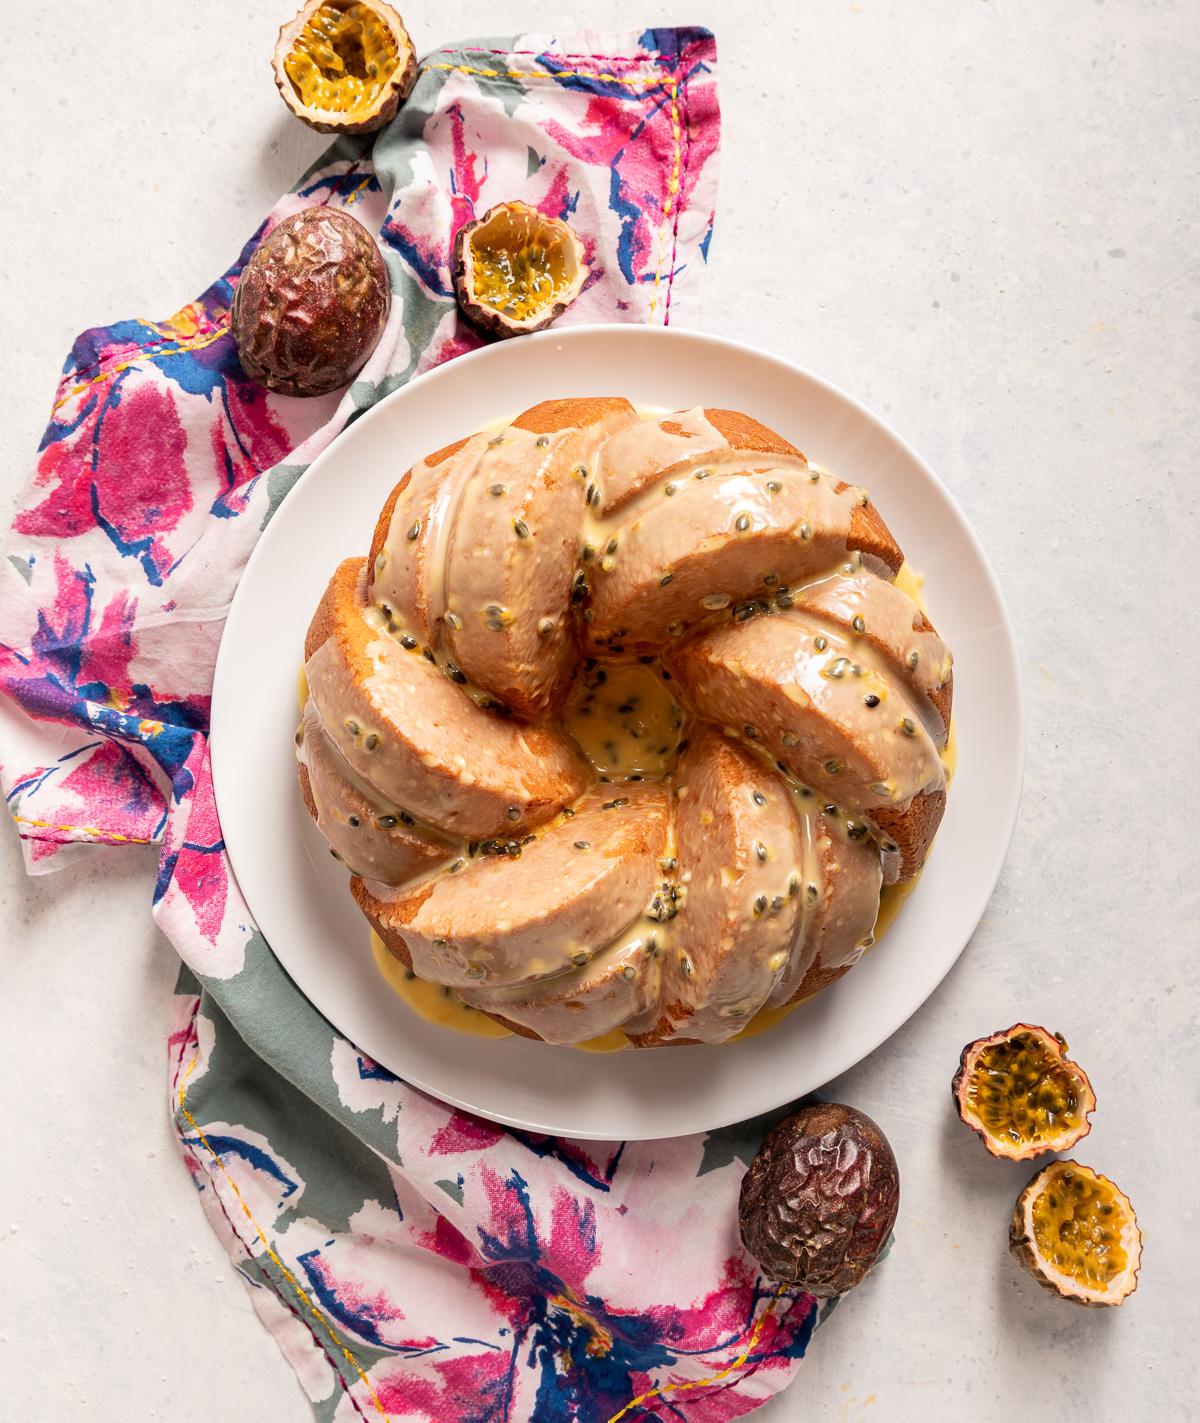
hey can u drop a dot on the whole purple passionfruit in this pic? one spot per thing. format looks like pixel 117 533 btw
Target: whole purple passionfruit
pixel 820 1199
pixel 311 304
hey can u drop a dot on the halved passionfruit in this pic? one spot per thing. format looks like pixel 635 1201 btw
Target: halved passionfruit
pixel 515 271
pixel 1022 1094
pixel 1077 1235
pixel 343 66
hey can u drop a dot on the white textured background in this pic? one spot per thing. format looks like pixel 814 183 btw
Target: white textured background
pixel 980 217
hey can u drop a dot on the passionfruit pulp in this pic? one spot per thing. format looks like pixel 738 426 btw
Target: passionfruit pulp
pixel 820 1199
pixel 1022 1094
pixel 343 66
pixel 311 303
pixel 1077 1235
pixel 516 271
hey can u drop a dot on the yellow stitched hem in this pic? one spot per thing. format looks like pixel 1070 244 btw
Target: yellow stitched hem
pixel 193 345
pixel 672 189
pixel 552 74
pixel 291 1279
pixel 84 830
pixel 317 1314
pixel 715 1378
pixel 354 195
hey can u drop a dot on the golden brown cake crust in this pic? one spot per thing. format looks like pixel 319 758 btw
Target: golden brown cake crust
pixel 384 522
pixel 662 1033
pixel 518 1028
pixel 516 551
pixel 553 415
pixel 817 978
pixel 306 791
pixel 391 941
pixel 871 537
pixel 744 433
pixel 912 828
pixel 943 696
pixel 322 623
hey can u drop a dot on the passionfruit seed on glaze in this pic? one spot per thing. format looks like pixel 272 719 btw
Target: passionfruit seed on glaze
pixel 516 271
pixel 1077 1235
pixel 311 303
pixel 819 1201
pixel 344 66
pixel 1022 1094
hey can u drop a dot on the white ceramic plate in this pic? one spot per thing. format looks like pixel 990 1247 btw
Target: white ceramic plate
pixel 299 895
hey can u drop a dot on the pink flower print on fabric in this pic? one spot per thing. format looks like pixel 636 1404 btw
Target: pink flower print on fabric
pixel 125 474
pixel 348 1275
pixel 606 144
pixel 470 1388
pixel 112 784
pixel 67 509
pixel 464 1132
pixel 467 184
pixel 480 1273
pixel 141 490
pixel 449 1243
pixel 99 791
pixel 572 1243
pixel 194 873
pixel 106 653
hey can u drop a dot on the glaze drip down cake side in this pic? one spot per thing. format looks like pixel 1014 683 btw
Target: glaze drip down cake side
pixel 624 723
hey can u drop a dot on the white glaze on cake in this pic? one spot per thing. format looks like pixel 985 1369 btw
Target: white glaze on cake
pixel 758 708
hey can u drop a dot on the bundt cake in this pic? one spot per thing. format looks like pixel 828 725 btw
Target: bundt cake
pixel 623 723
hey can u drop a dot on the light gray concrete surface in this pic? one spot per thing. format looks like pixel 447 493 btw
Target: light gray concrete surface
pixel 978 216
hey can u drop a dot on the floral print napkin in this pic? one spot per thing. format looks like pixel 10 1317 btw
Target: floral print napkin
pixel 414 1262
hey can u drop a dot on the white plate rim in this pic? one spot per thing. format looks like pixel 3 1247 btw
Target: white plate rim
pixel 593 1096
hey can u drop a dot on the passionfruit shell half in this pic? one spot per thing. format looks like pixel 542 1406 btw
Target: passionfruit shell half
pixel 1022 1094
pixel 516 271
pixel 311 303
pixel 1077 1235
pixel 344 66
pixel 820 1199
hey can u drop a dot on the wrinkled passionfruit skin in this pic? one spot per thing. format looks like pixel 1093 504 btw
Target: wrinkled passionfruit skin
pixel 527 220
pixel 820 1199
pixel 311 304
pixel 393 92
pixel 1050 1114
pixel 1023 1244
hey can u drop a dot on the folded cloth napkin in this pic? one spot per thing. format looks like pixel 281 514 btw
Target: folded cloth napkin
pixel 414 1262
